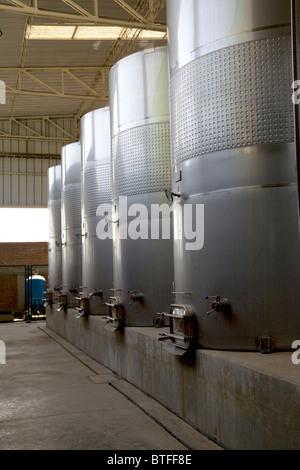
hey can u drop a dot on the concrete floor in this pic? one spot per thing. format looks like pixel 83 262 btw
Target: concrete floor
pixel 54 397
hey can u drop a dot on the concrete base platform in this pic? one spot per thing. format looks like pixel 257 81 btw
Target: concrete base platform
pixel 240 400
pixel 55 397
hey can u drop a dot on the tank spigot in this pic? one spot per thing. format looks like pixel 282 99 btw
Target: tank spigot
pixel 59 243
pixel 78 235
pixel 219 305
pixel 135 297
pixel 61 306
pixel 109 221
pixel 95 292
pixel 73 290
pixel 170 195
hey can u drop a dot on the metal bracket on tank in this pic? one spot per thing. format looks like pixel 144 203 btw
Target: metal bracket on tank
pixel 62 301
pixel 182 330
pixel 84 301
pixel 48 298
pixel 159 320
pixel 83 306
pixel 265 345
pixel 115 317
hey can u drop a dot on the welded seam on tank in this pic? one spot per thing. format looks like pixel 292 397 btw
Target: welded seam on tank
pixel 242 188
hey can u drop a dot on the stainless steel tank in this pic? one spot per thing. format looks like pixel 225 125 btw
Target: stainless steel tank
pixel 54 243
pixel 232 137
pixel 71 225
pixel 143 263
pixel 97 253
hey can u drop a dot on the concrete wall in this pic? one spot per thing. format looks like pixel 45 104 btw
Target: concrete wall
pixel 239 400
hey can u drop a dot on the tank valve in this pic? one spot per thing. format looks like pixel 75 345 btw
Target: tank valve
pixel 135 297
pixel 159 320
pixel 170 195
pixel 95 292
pixel 219 305
pixel 78 235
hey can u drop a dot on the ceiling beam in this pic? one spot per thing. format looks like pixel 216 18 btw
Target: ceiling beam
pixel 132 11
pixel 57 94
pixel 42 128
pixel 82 16
pixel 77 8
pixel 55 69
pixel 21 155
pixel 60 91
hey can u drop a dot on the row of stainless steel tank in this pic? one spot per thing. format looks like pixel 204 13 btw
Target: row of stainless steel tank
pixel 122 161
pixel 210 119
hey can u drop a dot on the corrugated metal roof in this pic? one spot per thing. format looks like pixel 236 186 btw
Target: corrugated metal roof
pixel 52 78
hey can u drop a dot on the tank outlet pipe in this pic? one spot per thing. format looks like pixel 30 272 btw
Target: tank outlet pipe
pixel 73 290
pixel 59 243
pixel 96 292
pixel 135 296
pixel 78 235
pixel 170 195
pixel 219 305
